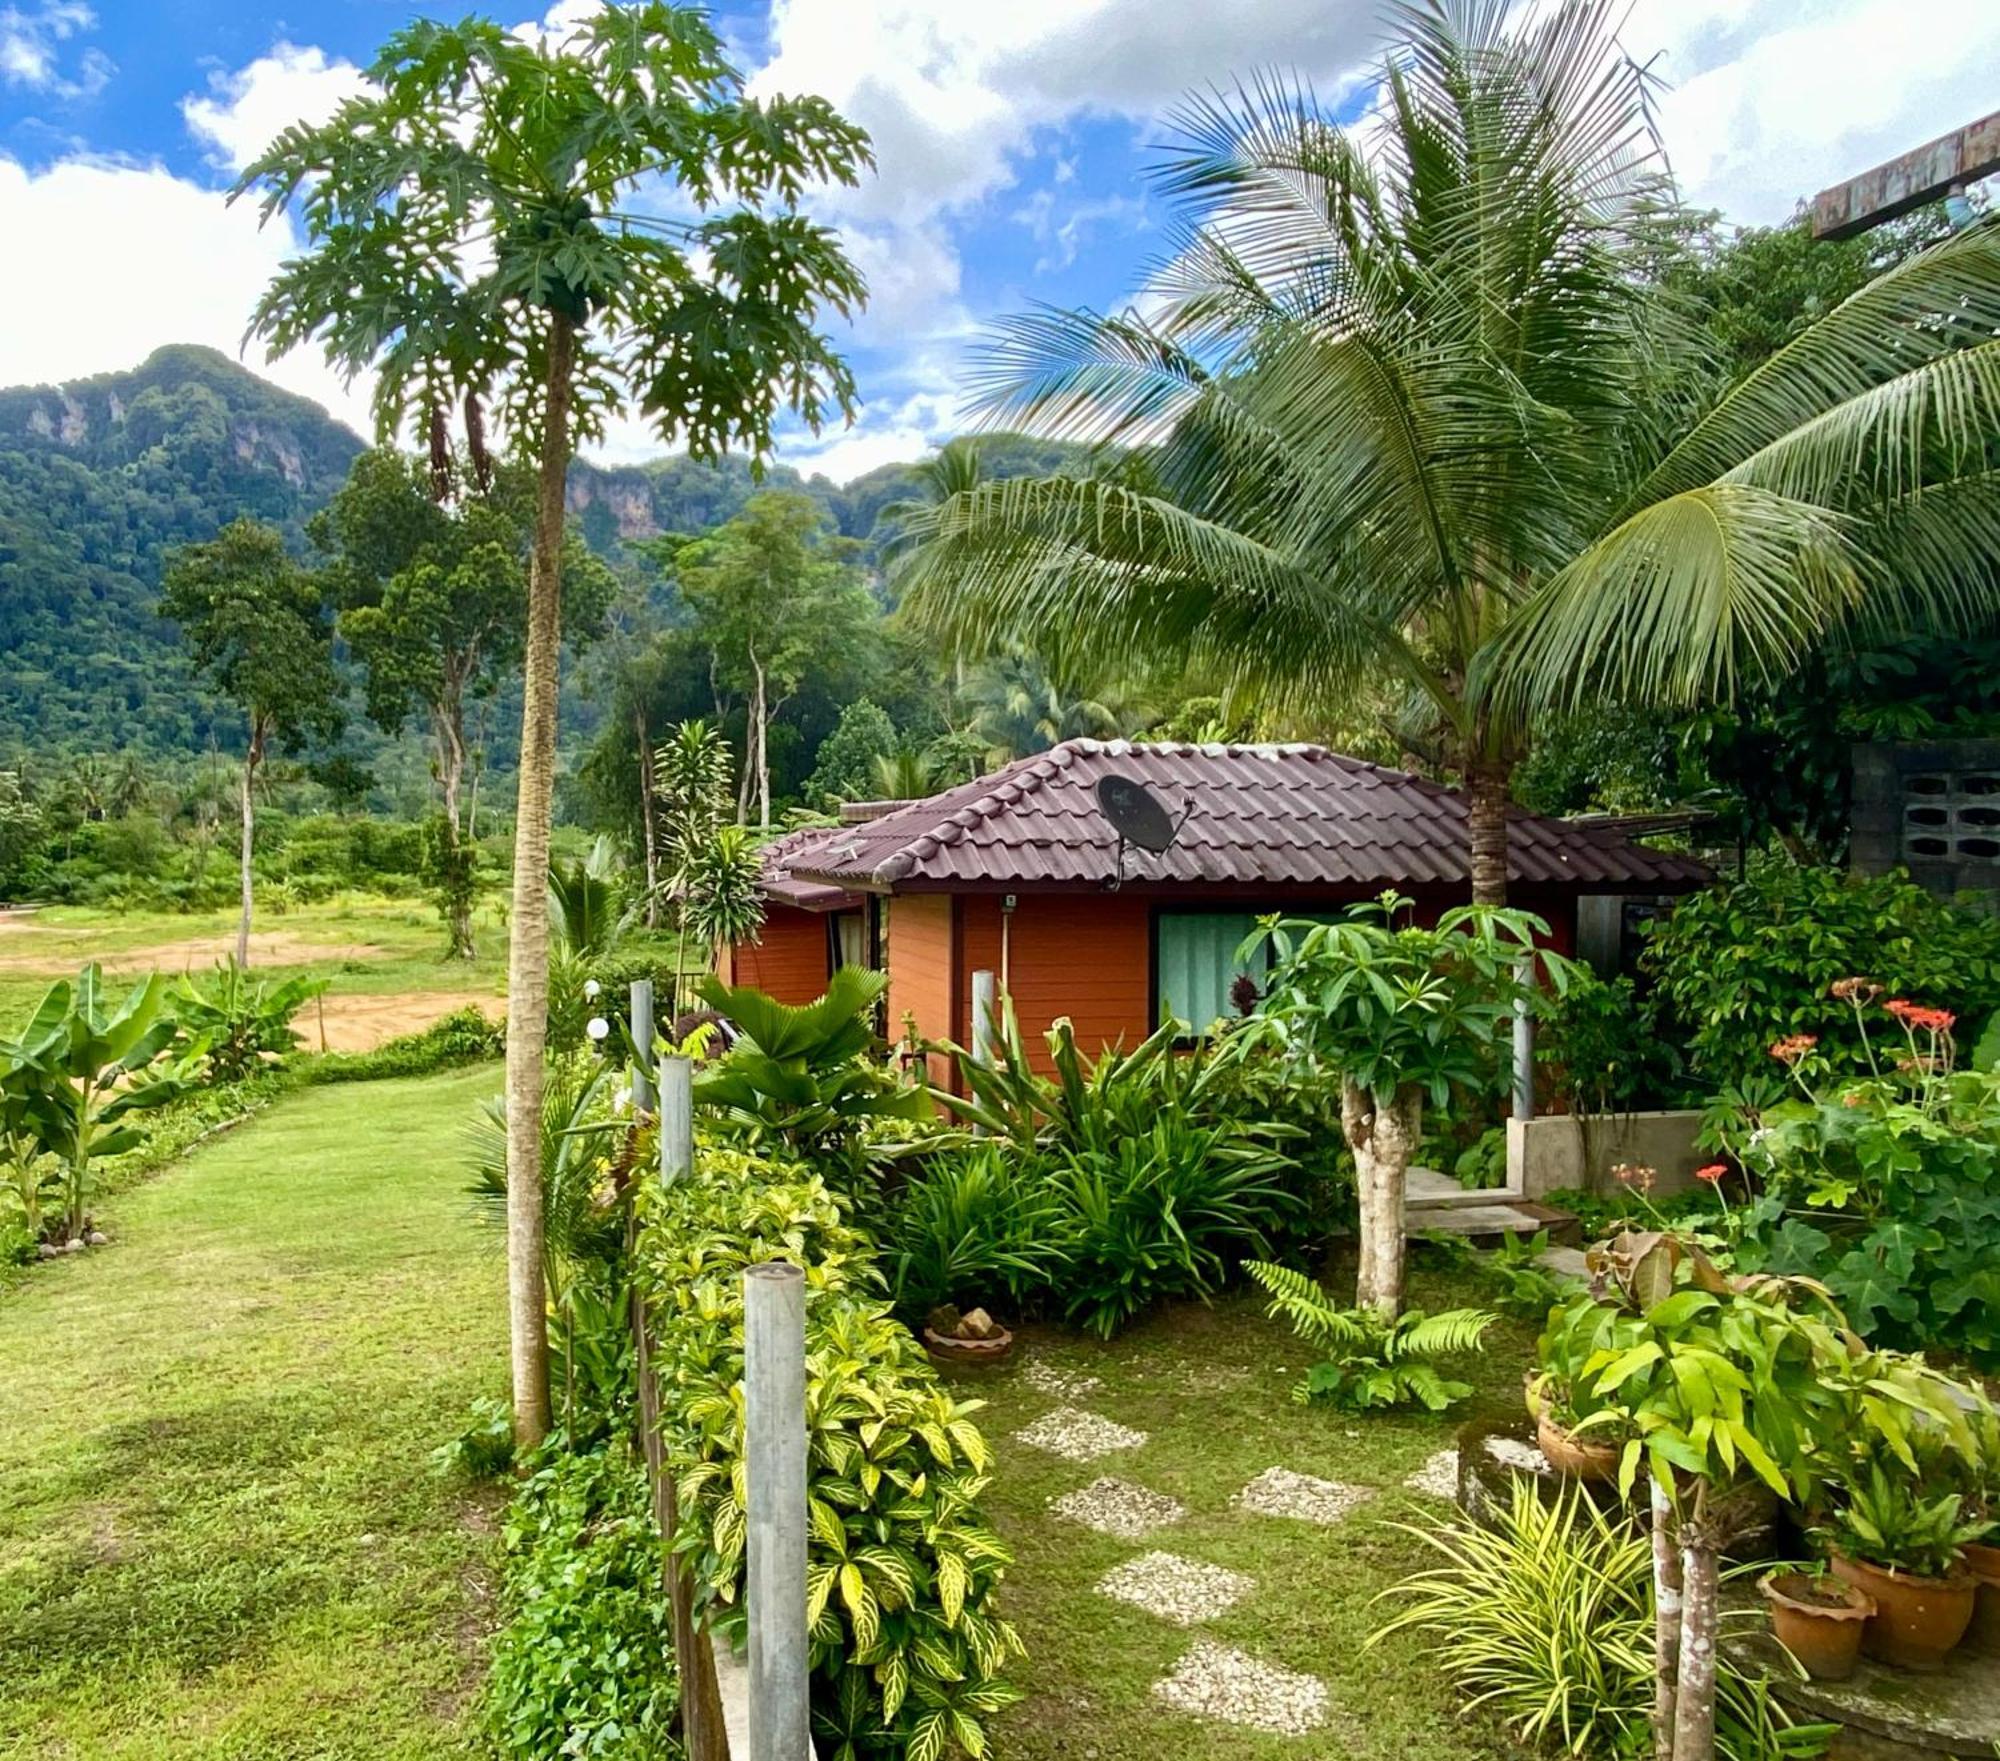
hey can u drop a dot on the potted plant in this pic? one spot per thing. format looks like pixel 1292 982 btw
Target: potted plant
pixel 1578 1434
pixel 1982 1559
pixel 965 1341
pixel 1818 1618
pixel 1904 1546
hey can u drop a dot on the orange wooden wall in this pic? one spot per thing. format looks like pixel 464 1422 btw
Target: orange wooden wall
pixel 788 962
pixel 1084 955
pixel 918 930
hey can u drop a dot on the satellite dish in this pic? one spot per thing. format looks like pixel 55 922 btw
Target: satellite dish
pixel 1136 814
pixel 1139 818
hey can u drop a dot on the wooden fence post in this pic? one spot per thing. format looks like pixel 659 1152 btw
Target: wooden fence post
pixel 703 1736
pixel 774 1403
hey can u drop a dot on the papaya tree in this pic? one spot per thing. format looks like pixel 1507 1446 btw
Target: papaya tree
pixel 575 223
pixel 256 626
pixel 1396 1013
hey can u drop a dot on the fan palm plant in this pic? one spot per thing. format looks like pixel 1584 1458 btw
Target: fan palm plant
pixel 1403 406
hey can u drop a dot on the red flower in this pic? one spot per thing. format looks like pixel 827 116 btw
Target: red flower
pixel 1713 1173
pixel 1916 1015
pixel 1793 1047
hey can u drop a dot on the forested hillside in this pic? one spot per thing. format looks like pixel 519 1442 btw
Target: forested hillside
pixel 101 477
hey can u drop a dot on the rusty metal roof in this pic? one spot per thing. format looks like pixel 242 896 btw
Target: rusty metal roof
pixel 1265 815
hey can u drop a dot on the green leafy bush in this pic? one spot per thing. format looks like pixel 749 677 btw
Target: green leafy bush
pixel 239 1023
pixel 1739 967
pixel 465 1036
pixel 583 1663
pixel 907 1646
pixel 1605 1050
pixel 1886 1186
pixel 18 1244
pixel 484 1450
pixel 1544 1614
pixel 977 1224
pixel 1373 1361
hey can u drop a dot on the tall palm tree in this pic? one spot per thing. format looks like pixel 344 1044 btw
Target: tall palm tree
pixel 1020 705
pixel 1405 414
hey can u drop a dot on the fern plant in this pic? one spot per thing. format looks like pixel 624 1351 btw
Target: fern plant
pixel 1372 1361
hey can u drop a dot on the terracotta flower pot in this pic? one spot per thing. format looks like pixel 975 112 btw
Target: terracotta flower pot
pixel 1582 1458
pixel 1917 1620
pixel 957 1353
pixel 1818 1620
pixel 1983 1635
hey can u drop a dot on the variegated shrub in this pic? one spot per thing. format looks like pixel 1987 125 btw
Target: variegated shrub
pixel 908 1651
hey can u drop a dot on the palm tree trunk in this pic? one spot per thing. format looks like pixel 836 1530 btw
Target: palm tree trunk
pixel 1486 781
pixel 528 940
pixel 252 757
pixel 451 778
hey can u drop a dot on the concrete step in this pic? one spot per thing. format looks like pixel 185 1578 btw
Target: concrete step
pixel 1520 1217
pixel 1432 1190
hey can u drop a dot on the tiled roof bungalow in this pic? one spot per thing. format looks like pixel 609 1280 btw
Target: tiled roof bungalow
pixel 1022 875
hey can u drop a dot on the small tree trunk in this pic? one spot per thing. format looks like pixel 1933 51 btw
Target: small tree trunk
pixel 528 938
pixel 1486 782
pixel 252 758
pixel 761 717
pixel 1383 1139
pixel 451 778
pixel 1694 1708
pixel 649 838
pixel 1666 1622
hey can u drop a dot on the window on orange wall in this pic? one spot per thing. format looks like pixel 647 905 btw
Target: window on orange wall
pixel 1195 963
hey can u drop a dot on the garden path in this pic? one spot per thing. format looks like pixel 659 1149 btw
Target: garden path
pixel 220 1535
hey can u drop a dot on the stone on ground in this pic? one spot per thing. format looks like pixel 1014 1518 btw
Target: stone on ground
pixel 1278 1491
pixel 1058 1383
pixel 1212 1681
pixel 1184 1591
pixel 1117 1507
pixel 1438 1477
pixel 1076 1435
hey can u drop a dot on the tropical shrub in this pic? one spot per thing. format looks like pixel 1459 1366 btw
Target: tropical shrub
pixel 1737 967
pixel 80 1069
pixel 465 1036
pixel 583 1663
pixel 1606 1053
pixel 237 1022
pixel 1544 1614
pixel 1372 1360
pixel 1169 1212
pixel 1887 1517
pixel 1886 1184
pixel 907 1645
pixel 978 1224
pixel 1512 1270
pixel 802 1081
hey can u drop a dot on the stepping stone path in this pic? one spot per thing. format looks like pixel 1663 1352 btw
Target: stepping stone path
pixel 1058 1383
pixel 1077 1435
pixel 1212 1681
pixel 1277 1491
pixel 1118 1507
pixel 1184 1591
pixel 1438 1477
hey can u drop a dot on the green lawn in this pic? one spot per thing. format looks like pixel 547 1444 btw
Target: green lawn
pixel 1211 1389
pixel 219 1534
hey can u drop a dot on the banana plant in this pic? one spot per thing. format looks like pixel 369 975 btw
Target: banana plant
pixel 78 1068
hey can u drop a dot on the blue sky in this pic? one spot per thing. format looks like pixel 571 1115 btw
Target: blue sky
pixel 1012 142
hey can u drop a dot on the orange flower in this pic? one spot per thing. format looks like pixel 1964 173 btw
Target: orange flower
pixel 1793 1047
pixel 1713 1173
pixel 1916 1015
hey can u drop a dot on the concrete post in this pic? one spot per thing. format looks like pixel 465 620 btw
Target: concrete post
pixel 774 1400
pixel 642 1037
pixel 1524 1043
pixel 676 1118
pixel 983 994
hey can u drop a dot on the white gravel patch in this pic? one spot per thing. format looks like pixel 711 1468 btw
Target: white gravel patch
pixel 1184 1591
pixel 1212 1681
pixel 1511 1452
pixel 1438 1477
pixel 1060 1384
pixel 1118 1507
pixel 1076 1435
pixel 1277 1491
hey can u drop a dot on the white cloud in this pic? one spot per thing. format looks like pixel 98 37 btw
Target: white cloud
pixel 31 50
pixel 147 258
pixel 1774 100
pixel 246 110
